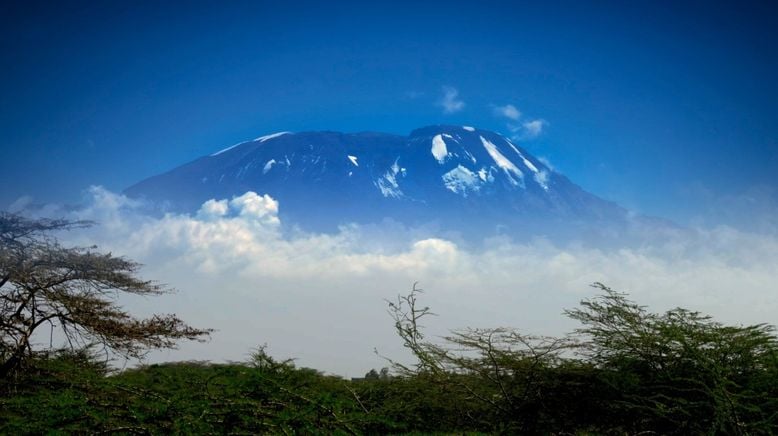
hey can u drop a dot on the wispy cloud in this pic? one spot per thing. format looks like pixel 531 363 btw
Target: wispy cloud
pixel 413 95
pixel 508 111
pixel 544 160
pixel 533 128
pixel 20 204
pixel 521 128
pixel 754 207
pixel 450 102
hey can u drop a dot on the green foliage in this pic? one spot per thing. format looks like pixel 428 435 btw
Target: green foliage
pixel 680 372
pixel 624 371
pixel 186 397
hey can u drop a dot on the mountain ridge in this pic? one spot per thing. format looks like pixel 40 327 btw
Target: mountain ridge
pixel 454 176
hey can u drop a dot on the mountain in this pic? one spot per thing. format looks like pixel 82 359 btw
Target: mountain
pixel 461 179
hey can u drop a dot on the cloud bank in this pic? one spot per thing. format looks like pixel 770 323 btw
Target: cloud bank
pixel 320 297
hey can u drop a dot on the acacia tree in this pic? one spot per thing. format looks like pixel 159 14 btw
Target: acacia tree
pixel 72 291
pixel 501 373
pixel 680 371
pixel 625 370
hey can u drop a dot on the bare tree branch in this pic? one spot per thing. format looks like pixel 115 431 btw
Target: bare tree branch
pixel 74 289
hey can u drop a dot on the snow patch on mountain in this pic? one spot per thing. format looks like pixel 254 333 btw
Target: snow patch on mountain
pixel 527 163
pixel 462 181
pixel 243 170
pixel 387 183
pixel 486 176
pixel 268 166
pixel 353 160
pixel 439 150
pixel 271 136
pixel 542 178
pixel 503 162
pixel 260 139
pixel 468 128
pixel 396 169
pixel 228 148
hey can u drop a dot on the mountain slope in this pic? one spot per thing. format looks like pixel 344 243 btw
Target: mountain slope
pixel 461 178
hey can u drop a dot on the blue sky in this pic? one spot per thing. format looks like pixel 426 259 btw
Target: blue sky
pixel 660 107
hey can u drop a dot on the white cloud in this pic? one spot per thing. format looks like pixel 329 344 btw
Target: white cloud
pixel 450 100
pixel 213 209
pixel 753 207
pixel 319 297
pixel 544 160
pixel 533 128
pixel 256 207
pixel 20 204
pixel 521 129
pixel 508 111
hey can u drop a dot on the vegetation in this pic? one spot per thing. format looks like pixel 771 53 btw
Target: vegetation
pixel 625 370
pixel 73 291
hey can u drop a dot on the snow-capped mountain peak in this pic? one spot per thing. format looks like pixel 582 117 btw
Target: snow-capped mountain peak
pixel 435 173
